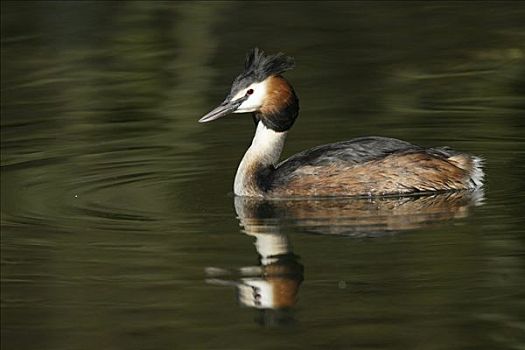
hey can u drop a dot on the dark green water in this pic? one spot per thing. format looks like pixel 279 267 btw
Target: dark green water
pixel 119 229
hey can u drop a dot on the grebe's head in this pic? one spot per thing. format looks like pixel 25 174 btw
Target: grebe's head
pixel 261 89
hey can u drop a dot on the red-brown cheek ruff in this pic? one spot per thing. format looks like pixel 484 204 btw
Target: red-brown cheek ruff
pixel 279 94
pixel 394 174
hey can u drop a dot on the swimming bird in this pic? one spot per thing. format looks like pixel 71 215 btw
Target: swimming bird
pixel 365 166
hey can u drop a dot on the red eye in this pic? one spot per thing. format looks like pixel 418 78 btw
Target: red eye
pixel 249 92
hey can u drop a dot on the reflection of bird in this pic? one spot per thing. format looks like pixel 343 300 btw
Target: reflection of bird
pixel 364 166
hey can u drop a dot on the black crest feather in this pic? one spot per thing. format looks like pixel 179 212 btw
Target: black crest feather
pixel 259 66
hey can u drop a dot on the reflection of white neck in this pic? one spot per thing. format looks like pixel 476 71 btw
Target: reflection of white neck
pixel 265 150
pixel 269 245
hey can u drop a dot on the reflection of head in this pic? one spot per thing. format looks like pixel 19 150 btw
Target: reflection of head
pixel 274 292
pixel 276 287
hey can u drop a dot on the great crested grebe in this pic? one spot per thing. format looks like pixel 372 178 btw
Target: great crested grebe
pixel 368 166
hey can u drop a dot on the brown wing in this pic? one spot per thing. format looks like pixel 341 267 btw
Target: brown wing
pixel 399 172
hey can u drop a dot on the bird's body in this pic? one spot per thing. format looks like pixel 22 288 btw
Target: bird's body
pixel 367 166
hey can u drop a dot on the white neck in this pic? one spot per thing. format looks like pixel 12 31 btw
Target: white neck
pixel 264 151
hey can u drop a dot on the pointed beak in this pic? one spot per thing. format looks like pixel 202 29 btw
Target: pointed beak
pixel 223 109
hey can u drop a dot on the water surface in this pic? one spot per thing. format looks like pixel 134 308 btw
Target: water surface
pixel 119 229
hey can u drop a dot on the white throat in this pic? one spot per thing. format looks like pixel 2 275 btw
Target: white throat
pixel 264 151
